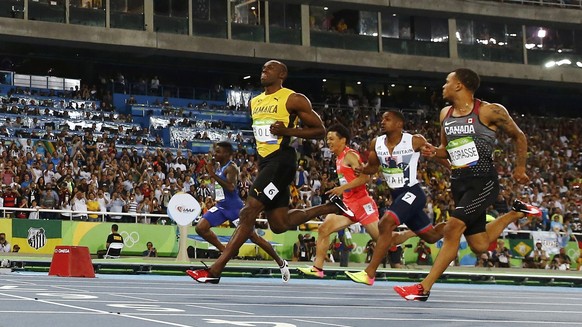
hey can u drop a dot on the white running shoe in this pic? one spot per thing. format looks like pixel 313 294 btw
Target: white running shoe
pixel 285 274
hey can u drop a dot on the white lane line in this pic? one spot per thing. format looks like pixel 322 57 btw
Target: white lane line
pixel 69 289
pixel 321 323
pixel 97 311
pixel 358 320
pixel 132 297
pixel 398 304
pixel 217 309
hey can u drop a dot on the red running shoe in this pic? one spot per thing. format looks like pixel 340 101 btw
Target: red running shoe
pixel 528 209
pixel 202 276
pixel 412 292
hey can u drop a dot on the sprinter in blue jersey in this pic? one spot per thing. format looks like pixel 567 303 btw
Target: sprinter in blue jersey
pixel 229 204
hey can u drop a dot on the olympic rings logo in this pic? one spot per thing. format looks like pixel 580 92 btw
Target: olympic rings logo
pixel 130 239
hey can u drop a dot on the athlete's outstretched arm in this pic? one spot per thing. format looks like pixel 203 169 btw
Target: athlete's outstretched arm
pixel 419 143
pixel 313 128
pixel 352 161
pixel 373 162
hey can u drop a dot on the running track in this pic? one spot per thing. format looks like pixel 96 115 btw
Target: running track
pixel 35 299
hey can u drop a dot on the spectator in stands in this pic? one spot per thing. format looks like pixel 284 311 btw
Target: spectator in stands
pixel 315 199
pixel 483 260
pixel 92 205
pixel 145 207
pixel 154 85
pixel 423 254
pixel 561 261
pixel 7 175
pixel 49 199
pixel 151 250
pixel 4 244
pixel 556 225
pixel 300 251
pixel 131 207
pixel 23 203
pixel 116 205
pixel 10 200
pixel 34 214
pixel 131 100
pixel 538 258
pixel 103 200
pixel 301 177
pixel 341 26
pixel 500 256
pixel 79 206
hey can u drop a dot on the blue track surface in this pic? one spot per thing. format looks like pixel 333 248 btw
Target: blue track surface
pixel 28 299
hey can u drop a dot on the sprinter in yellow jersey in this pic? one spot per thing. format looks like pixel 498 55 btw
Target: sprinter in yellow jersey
pixel 275 114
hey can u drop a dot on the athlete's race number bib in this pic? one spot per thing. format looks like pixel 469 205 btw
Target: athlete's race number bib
pixel 394 177
pixel 463 152
pixel 369 208
pixel 262 131
pixel 218 192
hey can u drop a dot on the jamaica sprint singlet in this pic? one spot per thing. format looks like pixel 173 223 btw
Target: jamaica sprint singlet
pixel 470 144
pixel 398 167
pixel 265 110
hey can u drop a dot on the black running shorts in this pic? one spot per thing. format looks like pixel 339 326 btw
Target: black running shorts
pixel 408 206
pixel 276 173
pixel 472 198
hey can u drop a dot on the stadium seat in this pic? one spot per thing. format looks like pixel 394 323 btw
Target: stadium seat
pixel 113 251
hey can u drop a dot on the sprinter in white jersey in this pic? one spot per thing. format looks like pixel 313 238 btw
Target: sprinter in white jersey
pixel 396 153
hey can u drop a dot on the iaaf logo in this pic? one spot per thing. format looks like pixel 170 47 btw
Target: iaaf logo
pixel 183 209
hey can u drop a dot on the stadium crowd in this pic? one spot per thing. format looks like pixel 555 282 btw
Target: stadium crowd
pixel 89 171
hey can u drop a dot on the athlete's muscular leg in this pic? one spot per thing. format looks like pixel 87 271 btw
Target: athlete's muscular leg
pixel 479 243
pixel 397 237
pixel 435 234
pixel 386 225
pixel 401 237
pixel 266 246
pixel 297 217
pixel 331 224
pixel 452 237
pixel 496 227
pixel 203 229
pixel 248 217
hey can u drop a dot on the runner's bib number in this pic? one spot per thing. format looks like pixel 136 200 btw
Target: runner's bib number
pixel 218 192
pixel 463 152
pixel 369 208
pixel 394 177
pixel 262 131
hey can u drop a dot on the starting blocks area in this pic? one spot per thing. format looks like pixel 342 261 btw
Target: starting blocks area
pixel 27 298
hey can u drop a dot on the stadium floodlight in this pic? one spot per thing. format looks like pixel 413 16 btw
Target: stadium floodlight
pixel 563 62
pixel 550 64
pixel 579 64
